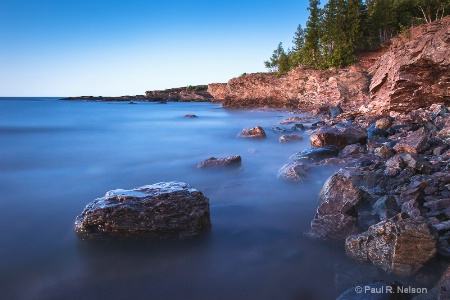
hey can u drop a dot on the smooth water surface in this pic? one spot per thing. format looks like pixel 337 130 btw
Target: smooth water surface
pixel 57 156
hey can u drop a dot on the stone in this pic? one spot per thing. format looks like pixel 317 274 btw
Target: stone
pixel 438 204
pixel 384 123
pixel 351 150
pixel 212 162
pixel 374 133
pixel 335 111
pixel 299 127
pixel 294 171
pixel 317 154
pixel 290 138
pixel 255 132
pixel 398 245
pixel 190 116
pixel 401 160
pixel 438 109
pixel 339 137
pixel 281 129
pixel 416 142
pixel 386 208
pixel 164 210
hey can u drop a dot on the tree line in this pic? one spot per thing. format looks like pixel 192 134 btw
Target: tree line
pixel 335 32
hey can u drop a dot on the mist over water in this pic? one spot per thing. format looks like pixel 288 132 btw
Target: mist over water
pixel 57 156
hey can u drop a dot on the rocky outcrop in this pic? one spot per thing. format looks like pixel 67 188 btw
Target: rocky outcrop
pixel 218 91
pixel 212 162
pixel 415 72
pixel 165 210
pixel 399 246
pixel 185 94
pixel 300 88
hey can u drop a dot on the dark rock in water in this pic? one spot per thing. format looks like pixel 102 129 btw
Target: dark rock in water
pixel 131 102
pixel 165 210
pixel 281 130
pixel 190 116
pixel 290 138
pixel 294 171
pixel 299 127
pixel 212 162
pixel 255 132
pixel 339 137
pixel 416 142
pixel 398 245
pixel 317 154
pixel 335 111
pixel 292 120
pixel 375 291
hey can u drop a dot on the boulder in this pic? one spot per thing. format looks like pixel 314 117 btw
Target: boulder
pixel 290 138
pixel 255 132
pixel 339 137
pixel 399 245
pixel 317 154
pixel 294 171
pixel 190 116
pixel 416 142
pixel 212 162
pixel 165 210
pixel 400 161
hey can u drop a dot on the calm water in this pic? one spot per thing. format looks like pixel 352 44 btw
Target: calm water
pixel 57 156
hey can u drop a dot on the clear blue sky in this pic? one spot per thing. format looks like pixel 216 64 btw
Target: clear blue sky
pixel 112 47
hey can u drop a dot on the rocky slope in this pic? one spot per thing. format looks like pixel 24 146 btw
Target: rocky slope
pixel 413 73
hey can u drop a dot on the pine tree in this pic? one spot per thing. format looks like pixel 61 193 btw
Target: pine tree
pixel 311 51
pixel 273 63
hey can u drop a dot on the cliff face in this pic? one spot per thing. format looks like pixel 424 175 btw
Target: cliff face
pixel 413 73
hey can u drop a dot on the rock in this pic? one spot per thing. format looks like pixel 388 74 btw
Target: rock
pixel 292 120
pixel 401 160
pixel 384 123
pixel 290 138
pixel 255 132
pixel 212 162
pixel 190 116
pixel 374 132
pixel 336 111
pixel 438 109
pixel 336 217
pixel 416 142
pixel 351 150
pixel 298 127
pixel 294 171
pixel 162 210
pixel 400 246
pixel 218 91
pixel 438 204
pixel 317 154
pixel 339 137
pixel 184 94
pixel 281 130
pixel 386 208
pixel 414 72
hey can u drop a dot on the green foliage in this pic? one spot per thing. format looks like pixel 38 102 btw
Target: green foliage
pixel 334 33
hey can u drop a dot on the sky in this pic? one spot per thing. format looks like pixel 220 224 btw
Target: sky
pixel 125 47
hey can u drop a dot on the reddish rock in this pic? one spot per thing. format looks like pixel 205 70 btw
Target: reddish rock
pixel 290 138
pixel 255 132
pixel 339 137
pixel 218 91
pixel 415 72
pixel 212 162
pixel 400 246
pixel 416 142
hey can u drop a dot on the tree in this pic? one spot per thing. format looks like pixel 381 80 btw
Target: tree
pixel 311 51
pixel 274 62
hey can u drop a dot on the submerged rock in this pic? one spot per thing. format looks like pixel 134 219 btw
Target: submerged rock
pixel 190 116
pixel 162 210
pixel 290 138
pixel 212 162
pixel 317 154
pixel 398 245
pixel 294 171
pixel 255 132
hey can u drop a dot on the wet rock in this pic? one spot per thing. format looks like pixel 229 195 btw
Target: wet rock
pixel 255 132
pixel 290 138
pixel 336 111
pixel 317 154
pixel 190 116
pixel 416 142
pixel 212 162
pixel 336 217
pixel 339 137
pixel 298 127
pixel 281 130
pixel 165 210
pixel 351 150
pixel 398 245
pixel 294 171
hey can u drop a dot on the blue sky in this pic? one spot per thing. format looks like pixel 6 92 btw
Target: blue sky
pixel 112 47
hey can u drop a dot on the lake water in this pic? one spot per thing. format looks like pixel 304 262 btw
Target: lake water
pixel 57 156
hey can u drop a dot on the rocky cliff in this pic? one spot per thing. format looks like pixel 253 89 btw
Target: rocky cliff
pixel 412 73
pixel 185 94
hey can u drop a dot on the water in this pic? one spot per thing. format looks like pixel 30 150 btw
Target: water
pixel 57 156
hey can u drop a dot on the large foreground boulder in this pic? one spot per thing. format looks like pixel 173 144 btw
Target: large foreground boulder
pixel 165 210
pixel 399 245
pixel 339 137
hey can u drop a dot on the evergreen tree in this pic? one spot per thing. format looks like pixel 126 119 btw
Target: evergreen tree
pixel 311 51
pixel 273 63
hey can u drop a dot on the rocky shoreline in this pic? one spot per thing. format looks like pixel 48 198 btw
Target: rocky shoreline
pixel 388 129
